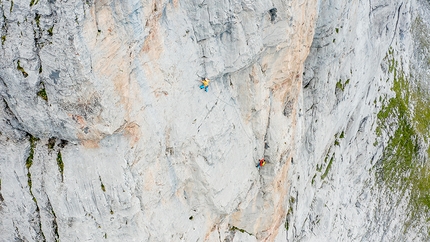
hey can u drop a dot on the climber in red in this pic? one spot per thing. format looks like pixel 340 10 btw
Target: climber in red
pixel 261 163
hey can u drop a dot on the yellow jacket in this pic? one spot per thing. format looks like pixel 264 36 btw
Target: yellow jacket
pixel 205 82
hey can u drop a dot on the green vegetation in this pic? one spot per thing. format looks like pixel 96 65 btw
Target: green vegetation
pixel 313 179
pixel 420 96
pixel 42 94
pixel 234 228
pixel 327 169
pixel 290 212
pixel 28 164
pixel 337 30
pixel 102 185
pixel 19 67
pixel 340 85
pixel 51 143
pixel 50 30
pixel 320 166
pixel 54 225
pixel 287 220
pixel 60 164
pixel 292 200
pixel 336 142
pixel 29 161
pixel 405 120
pixel 328 161
pixel 37 19
pixel 342 135
pixel 33 2
pixel 3 39
pixel 11 6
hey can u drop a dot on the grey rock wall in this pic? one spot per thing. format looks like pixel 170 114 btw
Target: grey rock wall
pixel 107 135
pixel 337 193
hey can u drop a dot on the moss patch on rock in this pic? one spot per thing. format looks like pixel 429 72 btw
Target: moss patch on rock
pixel 404 120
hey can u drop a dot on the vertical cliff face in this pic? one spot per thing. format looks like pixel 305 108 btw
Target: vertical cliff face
pixel 361 172
pixel 107 135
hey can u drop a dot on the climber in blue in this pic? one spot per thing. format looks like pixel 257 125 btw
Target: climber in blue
pixel 205 84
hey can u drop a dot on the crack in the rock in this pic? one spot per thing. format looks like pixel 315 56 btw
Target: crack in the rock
pixel 54 221
pixel 266 145
pixel 397 23
pixel 198 128
pixel 29 163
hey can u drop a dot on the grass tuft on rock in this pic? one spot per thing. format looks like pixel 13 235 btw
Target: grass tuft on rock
pixel 341 85
pixel 60 163
pixel 19 67
pixel 30 157
pixel 327 169
pixel 102 185
pixel 51 31
pixel 42 94
pixel 29 160
pixel 234 228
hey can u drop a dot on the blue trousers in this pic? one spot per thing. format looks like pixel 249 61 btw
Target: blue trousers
pixel 205 87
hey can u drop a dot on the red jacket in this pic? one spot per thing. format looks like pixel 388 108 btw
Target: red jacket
pixel 262 162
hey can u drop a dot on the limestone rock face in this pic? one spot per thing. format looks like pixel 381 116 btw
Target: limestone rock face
pixel 107 135
pixel 337 191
